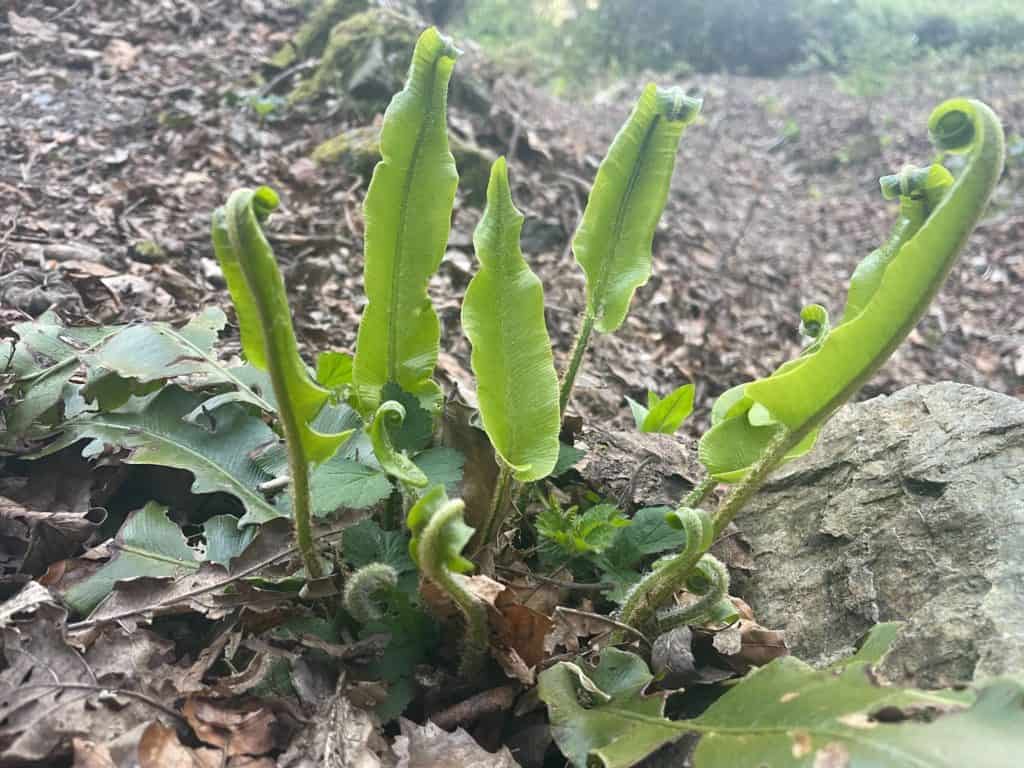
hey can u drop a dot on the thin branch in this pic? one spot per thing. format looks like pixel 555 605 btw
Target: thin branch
pixel 200 590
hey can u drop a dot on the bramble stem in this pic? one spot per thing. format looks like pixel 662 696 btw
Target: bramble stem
pixel 432 563
pixel 578 350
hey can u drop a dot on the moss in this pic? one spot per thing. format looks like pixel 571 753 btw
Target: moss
pixel 358 150
pixel 312 36
pixel 365 58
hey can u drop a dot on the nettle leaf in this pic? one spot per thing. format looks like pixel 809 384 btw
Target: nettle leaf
pixel 613 242
pixel 366 542
pixel 44 360
pixel 341 483
pixel 442 466
pixel 258 293
pixel 386 420
pixel 600 717
pixel 408 212
pixel 575 534
pixel 417 427
pixel 156 433
pixel 648 534
pixel 503 318
pixel 891 293
pixel 663 415
pixel 148 544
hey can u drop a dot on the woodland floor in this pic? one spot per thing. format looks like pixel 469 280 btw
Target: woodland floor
pixel 120 128
pixel 124 123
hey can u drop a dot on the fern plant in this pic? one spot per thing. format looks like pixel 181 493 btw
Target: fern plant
pixel 358 431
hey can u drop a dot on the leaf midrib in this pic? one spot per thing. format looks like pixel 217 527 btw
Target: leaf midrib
pixel 403 217
pixel 600 289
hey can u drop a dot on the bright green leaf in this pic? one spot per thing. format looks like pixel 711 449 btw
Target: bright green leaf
pixel 334 370
pixel 148 544
pixel 386 420
pixel 503 317
pixel 895 291
pixel 408 212
pixel 667 414
pixel 454 537
pixel 613 242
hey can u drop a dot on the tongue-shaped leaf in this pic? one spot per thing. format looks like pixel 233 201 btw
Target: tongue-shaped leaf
pixel 503 316
pixel 408 213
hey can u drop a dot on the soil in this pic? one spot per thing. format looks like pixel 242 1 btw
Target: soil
pixel 126 123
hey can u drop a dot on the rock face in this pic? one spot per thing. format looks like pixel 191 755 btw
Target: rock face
pixel 910 508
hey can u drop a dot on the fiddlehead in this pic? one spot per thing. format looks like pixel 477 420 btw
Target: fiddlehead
pixel 439 535
pixel 710 580
pixel 365 588
pixel 658 586
pixel 390 415
pixel 268 342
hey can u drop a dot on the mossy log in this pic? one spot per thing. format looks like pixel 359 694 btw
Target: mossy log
pixel 358 150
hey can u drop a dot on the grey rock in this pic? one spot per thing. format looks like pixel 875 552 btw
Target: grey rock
pixel 910 508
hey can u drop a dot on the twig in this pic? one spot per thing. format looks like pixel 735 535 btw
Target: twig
pixel 199 591
pixel 581 587
pixel 113 691
pixel 605 620
pixel 472 709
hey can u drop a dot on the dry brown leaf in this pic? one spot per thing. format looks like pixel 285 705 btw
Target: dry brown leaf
pixel 159 747
pixel 242 729
pixel 429 746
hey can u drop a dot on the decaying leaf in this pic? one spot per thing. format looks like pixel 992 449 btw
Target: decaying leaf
pixel 429 746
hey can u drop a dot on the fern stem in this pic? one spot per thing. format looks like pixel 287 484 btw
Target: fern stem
pixel 754 479
pixel 298 468
pixel 659 585
pixel 700 492
pixel 432 563
pixel 495 516
pixel 578 350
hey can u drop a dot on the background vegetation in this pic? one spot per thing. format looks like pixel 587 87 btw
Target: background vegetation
pixel 567 43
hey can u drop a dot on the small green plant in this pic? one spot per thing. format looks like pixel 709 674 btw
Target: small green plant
pixel 359 432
